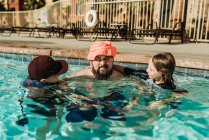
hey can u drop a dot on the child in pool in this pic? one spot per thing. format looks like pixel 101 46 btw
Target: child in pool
pixel 43 81
pixel 159 75
pixel 160 70
pixel 44 71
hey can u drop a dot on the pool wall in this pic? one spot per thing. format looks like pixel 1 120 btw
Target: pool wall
pixel 81 54
pixel 81 61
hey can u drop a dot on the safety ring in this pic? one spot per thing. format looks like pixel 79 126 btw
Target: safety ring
pixel 94 20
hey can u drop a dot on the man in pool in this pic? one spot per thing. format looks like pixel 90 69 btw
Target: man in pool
pixel 101 56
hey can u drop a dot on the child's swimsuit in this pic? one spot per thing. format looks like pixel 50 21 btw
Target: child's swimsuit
pixel 34 83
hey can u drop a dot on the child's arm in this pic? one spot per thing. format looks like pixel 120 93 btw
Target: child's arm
pixel 161 103
pixel 135 101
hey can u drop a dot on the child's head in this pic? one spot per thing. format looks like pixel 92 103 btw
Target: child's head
pixel 45 69
pixel 161 67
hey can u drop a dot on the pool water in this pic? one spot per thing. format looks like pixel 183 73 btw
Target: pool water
pixel 111 116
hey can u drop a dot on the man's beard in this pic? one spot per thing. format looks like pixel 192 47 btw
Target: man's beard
pixel 102 76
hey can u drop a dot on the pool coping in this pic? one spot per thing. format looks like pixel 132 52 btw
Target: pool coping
pixel 120 57
pixel 78 57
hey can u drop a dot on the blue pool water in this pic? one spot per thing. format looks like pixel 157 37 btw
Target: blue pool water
pixel 51 118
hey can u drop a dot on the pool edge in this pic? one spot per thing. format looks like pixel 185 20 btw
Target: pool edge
pixel 76 53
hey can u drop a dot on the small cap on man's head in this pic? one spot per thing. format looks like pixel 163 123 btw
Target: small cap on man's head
pixel 104 48
pixel 44 66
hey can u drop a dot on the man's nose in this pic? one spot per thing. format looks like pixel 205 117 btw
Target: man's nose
pixel 103 62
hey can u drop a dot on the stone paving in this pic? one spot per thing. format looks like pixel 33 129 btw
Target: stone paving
pixel 193 55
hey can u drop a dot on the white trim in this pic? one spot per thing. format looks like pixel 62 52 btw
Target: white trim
pixel 111 2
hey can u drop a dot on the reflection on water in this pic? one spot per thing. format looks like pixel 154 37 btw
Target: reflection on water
pixel 99 106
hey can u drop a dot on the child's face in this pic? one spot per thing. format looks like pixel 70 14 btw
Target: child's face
pixel 152 72
pixel 51 79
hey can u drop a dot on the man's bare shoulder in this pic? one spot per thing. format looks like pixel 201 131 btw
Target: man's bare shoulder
pixel 86 72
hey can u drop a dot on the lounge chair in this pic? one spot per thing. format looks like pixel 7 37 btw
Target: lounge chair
pixel 67 29
pixel 42 27
pixel 119 30
pixel 178 30
pixel 144 34
pixel 6 30
pixel 90 33
pixel 27 28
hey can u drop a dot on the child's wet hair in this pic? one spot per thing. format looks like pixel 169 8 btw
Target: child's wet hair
pixel 165 64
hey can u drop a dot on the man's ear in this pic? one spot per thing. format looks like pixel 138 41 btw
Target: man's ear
pixel 91 63
pixel 43 81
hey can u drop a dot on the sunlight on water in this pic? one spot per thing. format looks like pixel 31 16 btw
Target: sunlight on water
pixel 110 111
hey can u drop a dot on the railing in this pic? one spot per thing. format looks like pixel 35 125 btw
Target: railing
pixel 61 13
pixel 133 13
pixel 198 20
pixel 171 11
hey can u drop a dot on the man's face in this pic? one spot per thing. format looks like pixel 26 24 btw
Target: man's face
pixel 102 67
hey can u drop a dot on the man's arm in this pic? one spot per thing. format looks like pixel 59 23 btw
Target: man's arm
pixel 170 101
pixel 129 71
pixel 124 70
pixel 117 74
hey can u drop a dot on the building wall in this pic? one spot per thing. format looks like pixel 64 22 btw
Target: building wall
pixel 48 1
pixel 4 2
pixel 15 5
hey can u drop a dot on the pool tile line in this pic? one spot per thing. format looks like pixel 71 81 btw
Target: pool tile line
pixel 28 58
pixel 121 57
pixel 74 61
pixel 204 74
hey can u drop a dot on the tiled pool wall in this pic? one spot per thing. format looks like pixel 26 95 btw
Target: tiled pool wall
pixel 74 61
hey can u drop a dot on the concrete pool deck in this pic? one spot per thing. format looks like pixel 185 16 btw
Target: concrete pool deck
pixel 191 55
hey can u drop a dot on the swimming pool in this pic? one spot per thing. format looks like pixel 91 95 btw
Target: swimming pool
pixel 25 118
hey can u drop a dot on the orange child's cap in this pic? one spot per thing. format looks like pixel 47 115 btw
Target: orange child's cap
pixel 104 48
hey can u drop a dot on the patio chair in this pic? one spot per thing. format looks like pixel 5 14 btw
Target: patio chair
pixel 53 30
pixel 100 30
pixel 6 30
pixel 67 29
pixel 178 30
pixel 27 28
pixel 144 34
pixel 44 28
pixel 118 30
pixel 90 33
